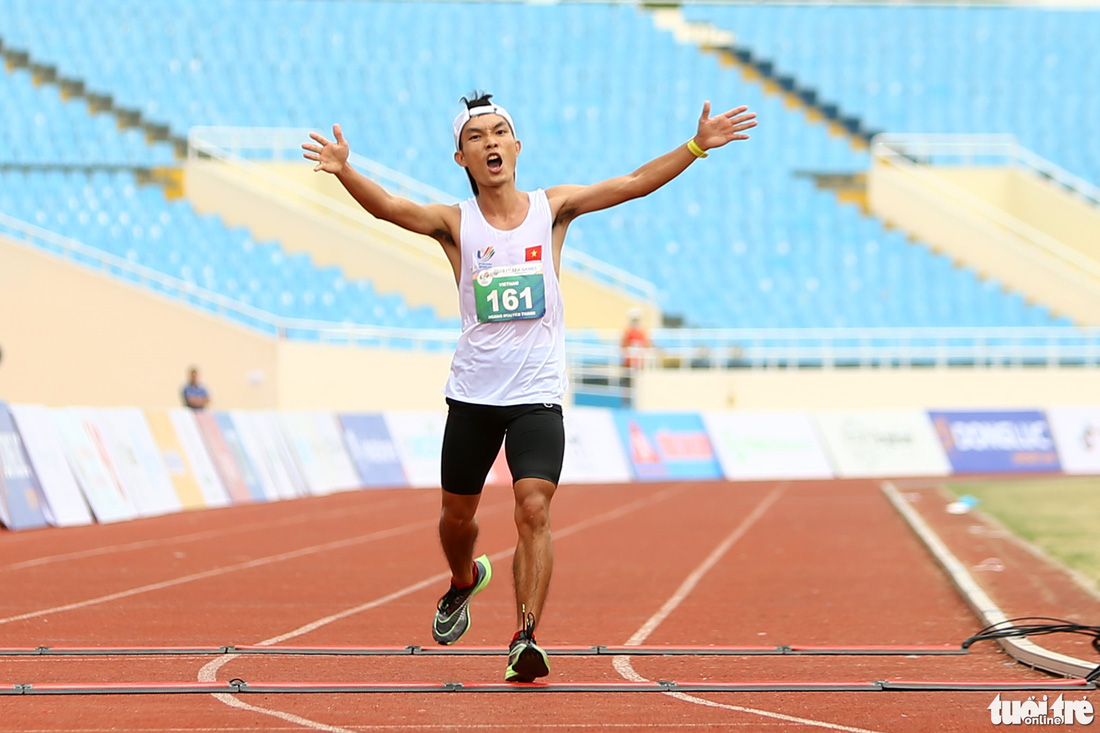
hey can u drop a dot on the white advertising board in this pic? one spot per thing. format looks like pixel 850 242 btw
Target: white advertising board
pixel 882 443
pixel 159 494
pixel 1076 433
pixel 198 458
pixel 418 440
pixel 262 454
pixel 767 445
pixel 150 496
pixel 85 451
pixel 593 451
pixel 66 504
pixel 319 448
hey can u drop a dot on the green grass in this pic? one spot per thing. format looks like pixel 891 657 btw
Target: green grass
pixel 1060 516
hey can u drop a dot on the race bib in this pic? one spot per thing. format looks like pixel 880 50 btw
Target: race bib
pixel 510 293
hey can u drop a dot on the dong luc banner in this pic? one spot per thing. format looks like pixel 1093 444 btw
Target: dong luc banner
pixel 997 442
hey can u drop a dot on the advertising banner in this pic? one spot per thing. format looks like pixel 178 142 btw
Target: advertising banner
pixel 65 504
pixel 225 461
pixel 129 437
pixel 250 473
pixel 277 454
pixel 275 439
pixel 667 445
pixel 86 454
pixel 1076 432
pixel 418 438
pixel 997 442
pixel 767 445
pixel 22 502
pixel 320 451
pixel 199 459
pixel 262 455
pixel 593 452
pixel 372 450
pixel 882 443
pixel 175 463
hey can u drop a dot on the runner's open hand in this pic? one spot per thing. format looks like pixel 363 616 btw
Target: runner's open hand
pixel 714 132
pixel 330 156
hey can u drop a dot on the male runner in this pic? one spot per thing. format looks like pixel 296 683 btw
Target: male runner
pixel 508 373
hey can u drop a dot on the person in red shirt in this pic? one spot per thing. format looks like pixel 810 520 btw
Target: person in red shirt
pixel 635 342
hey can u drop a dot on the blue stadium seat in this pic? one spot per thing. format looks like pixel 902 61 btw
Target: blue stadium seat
pixel 742 240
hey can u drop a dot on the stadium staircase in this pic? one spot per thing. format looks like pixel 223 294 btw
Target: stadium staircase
pixel 1043 258
pixel 166 176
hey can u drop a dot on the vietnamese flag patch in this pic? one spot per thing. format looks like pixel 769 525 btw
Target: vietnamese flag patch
pixel 534 254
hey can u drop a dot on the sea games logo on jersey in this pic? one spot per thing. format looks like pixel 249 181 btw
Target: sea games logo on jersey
pixel 484 257
pixel 1037 712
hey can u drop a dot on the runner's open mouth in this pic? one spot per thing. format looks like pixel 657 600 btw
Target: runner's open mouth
pixel 495 162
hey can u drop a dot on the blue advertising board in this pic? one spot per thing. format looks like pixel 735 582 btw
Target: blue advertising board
pixel 24 502
pixel 997 442
pixel 667 445
pixel 372 450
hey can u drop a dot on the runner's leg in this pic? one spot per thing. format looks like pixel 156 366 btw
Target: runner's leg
pixel 471 442
pixel 535 447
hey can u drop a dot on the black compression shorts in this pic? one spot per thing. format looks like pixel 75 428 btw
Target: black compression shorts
pixel 535 444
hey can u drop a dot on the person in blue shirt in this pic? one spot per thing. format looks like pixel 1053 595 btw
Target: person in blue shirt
pixel 195 395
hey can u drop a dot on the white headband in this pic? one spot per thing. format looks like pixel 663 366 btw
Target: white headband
pixel 488 109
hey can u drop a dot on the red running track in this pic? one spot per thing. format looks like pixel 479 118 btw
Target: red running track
pixel 687 564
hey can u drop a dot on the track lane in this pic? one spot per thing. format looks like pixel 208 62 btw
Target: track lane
pixel 609 579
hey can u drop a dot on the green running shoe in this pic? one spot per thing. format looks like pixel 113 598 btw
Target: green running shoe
pixel 452 616
pixel 526 660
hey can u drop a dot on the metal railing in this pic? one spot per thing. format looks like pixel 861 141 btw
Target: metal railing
pixel 793 348
pixel 597 352
pixel 242 146
pixel 983 150
pixel 916 153
pixel 198 297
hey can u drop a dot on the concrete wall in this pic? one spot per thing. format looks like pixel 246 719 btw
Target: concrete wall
pixel 1034 201
pixel 349 378
pixel 71 336
pixel 964 225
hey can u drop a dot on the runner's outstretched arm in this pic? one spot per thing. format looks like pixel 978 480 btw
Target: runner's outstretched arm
pixel 571 201
pixel 332 157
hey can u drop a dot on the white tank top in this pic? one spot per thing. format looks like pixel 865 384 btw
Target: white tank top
pixel 512 347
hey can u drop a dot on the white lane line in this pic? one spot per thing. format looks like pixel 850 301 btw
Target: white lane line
pixel 194 537
pixel 226 569
pixel 692 580
pixel 626 669
pixel 209 671
pixel 233 702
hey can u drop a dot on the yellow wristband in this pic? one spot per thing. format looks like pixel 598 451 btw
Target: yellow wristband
pixel 697 151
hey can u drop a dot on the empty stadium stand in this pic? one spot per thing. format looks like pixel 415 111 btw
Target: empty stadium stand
pixel 744 239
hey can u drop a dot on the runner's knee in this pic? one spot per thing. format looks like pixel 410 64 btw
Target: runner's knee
pixel 458 509
pixel 533 511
